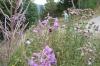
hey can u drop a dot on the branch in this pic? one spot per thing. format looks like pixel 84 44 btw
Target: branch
pixel 6 16
pixel 6 7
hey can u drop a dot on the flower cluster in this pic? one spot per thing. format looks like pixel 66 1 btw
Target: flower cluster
pixel 88 51
pixel 46 57
pixel 45 24
pixel 56 22
pixel 86 29
pixel 19 17
pixel 84 13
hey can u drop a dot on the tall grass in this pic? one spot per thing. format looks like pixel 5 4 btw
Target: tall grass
pixel 72 45
pixel 65 42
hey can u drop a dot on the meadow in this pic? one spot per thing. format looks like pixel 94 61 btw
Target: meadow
pixel 51 43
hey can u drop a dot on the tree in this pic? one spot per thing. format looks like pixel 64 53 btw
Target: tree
pixel 42 12
pixel 64 4
pixel 73 3
pixel 87 3
pixel 2 18
pixel 31 14
pixel 50 7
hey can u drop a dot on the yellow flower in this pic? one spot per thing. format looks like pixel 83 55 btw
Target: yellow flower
pixel 13 65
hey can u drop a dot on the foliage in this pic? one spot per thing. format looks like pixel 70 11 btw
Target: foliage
pixel 88 3
pixel 29 18
pixel 2 18
pixel 42 12
pixel 50 7
pixel 83 4
pixel 64 5
pixel 12 28
pixel 32 19
pixel 65 42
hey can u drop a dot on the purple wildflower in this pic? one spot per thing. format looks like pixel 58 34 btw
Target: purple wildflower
pixel 45 64
pixel 35 64
pixel 35 54
pixel 44 58
pixel 47 49
pixel 15 17
pixel 31 62
pixel 24 19
pixel 40 23
pixel 52 57
pixel 50 29
pixel 45 22
pixel 56 22
pixel 36 30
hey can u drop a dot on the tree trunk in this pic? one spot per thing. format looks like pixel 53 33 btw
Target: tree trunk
pixel 73 4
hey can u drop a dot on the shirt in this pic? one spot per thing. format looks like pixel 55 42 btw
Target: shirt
pixel 66 16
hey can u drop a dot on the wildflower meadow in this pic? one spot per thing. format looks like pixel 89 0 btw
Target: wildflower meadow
pixel 49 42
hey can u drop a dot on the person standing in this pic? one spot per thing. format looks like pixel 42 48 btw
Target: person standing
pixel 66 16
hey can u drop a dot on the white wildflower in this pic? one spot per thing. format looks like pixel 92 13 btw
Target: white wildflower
pixel 35 31
pixel 89 63
pixel 90 50
pixel 82 54
pixel 28 42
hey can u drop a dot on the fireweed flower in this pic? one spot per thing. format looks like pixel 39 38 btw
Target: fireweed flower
pixel 56 23
pixel 35 54
pixel 31 63
pixel 45 22
pixel 50 29
pixel 56 20
pixel 46 57
pixel 40 24
pixel 47 50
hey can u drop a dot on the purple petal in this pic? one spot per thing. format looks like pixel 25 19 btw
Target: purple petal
pixel 31 62
pixel 56 20
pixel 56 24
pixel 35 54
